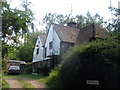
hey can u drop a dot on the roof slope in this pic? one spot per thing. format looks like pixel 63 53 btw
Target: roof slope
pixel 43 37
pixel 91 30
pixel 66 33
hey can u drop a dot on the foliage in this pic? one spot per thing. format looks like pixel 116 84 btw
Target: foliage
pixel 83 21
pixel 25 51
pixel 9 52
pixel 15 24
pixel 4 66
pixel 79 19
pixel 28 69
pixel 15 20
pixel 113 24
pixel 53 79
pixel 4 84
pixel 55 18
pixel 98 60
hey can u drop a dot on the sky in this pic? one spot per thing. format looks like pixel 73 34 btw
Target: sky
pixel 41 7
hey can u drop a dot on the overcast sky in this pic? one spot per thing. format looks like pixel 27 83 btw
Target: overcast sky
pixel 41 7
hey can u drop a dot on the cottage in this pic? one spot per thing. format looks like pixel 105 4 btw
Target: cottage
pixel 59 38
pixel 38 54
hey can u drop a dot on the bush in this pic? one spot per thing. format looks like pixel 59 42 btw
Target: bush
pixel 98 60
pixel 4 66
pixel 4 84
pixel 28 69
pixel 53 79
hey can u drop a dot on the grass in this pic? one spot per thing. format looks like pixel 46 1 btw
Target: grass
pixel 4 84
pixel 26 85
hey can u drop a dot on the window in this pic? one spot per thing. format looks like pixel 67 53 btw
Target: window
pixel 38 42
pixel 45 51
pixel 50 45
pixel 37 52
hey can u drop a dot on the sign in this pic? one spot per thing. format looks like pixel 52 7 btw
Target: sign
pixel 92 82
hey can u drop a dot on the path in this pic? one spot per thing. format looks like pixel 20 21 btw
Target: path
pixel 14 83
pixel 34 83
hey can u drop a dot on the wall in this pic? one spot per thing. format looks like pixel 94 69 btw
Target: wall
pixel 64 46
pixel 52 36
pixel 38 57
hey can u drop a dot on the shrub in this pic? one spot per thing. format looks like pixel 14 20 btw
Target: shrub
pixel 98 60
pixel 4 84
pixel 28 69
pixel 53 79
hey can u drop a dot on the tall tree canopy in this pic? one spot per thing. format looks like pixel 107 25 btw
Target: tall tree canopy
pixel 15 22
pixel 79 19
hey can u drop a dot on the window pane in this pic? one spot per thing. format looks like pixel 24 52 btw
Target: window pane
pixel 50 45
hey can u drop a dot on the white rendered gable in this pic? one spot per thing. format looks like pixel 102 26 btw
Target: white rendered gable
pixel 38 56
pixel 52 37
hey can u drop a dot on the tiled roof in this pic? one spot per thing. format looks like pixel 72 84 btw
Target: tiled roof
pixel 66 33
pixel 91 31
pixel 43 37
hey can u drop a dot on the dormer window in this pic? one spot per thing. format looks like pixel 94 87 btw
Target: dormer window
pixel 50 45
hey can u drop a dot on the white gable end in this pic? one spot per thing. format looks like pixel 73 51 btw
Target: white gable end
pixel 56 44
pixel 53 39
pixel 38 51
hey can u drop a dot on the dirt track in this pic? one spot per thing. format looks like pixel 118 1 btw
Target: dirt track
pixel 14 83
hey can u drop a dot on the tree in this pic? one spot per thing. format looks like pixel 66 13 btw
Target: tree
pixel 79 19
pixel 25 51
pixel 55 18
pixel 15 21
pixel 83 21
pixel 15 24
pixel 113 22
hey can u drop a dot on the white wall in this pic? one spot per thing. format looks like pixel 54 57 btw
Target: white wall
pixel 52 36
pixel 56 44
pixel 38 57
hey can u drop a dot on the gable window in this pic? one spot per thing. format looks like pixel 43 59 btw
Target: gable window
pixel 45 51
pixel 38 42
pixel 37 52
pixel 50 45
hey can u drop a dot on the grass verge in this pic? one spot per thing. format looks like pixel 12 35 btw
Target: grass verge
pixel 4 84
